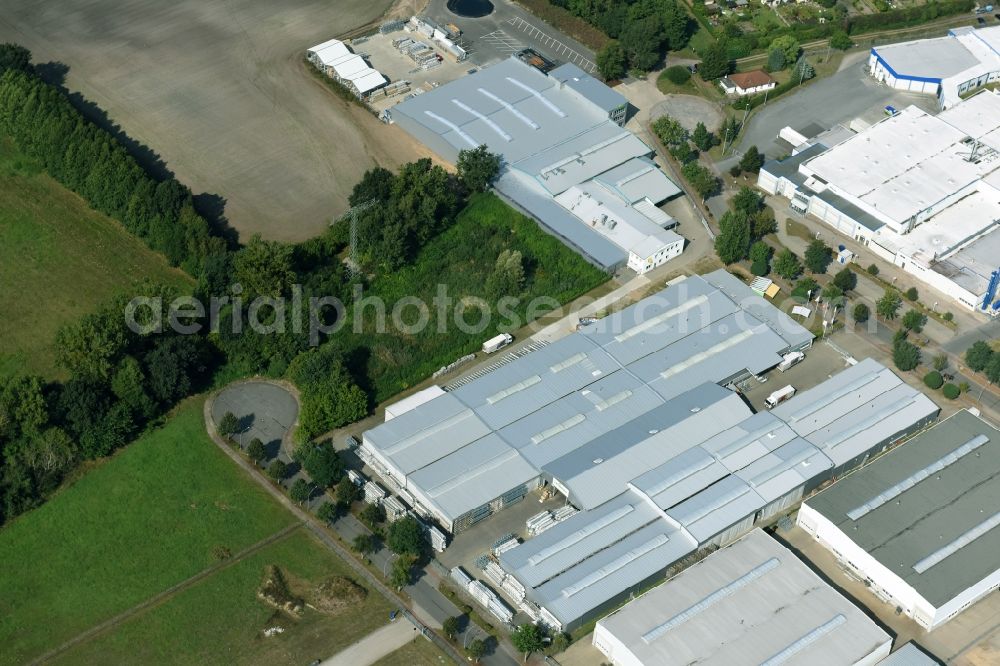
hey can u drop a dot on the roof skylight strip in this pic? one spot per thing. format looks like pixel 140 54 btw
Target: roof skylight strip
pixel 511 390
pixel 829 398
pixel 965 539
pixel 807 640
pixel 614 566
pixel 510 107
pixel 712 599
pixel 580 535
pixel 489 121
pixel 539 96
pixel 660 318
pixel 711 351
pixel 452 126
pixel 898 489
pixel 558 428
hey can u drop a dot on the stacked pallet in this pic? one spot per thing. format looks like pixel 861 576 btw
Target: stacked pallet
pixel 374 493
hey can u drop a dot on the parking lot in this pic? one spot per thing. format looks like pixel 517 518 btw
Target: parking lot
pixel 838 99
pixel 265 411
pixel 822 362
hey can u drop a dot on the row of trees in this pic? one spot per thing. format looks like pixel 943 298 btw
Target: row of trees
pixel 89 161
pixel 119 381
pixel 744 226
pixel 679 144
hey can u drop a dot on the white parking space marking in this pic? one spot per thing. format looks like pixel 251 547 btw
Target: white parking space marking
pixel 554 44
pixel 503 42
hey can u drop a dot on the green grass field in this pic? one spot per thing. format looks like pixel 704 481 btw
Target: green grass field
pixel 127 529
pixel 220 620
pixel 58 260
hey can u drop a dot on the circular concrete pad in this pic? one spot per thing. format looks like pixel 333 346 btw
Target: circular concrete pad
pixel 689 110
pixel 265 411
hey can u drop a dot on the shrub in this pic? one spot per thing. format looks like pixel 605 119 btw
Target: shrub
pixel 678 74
pixel 951 391
pixel 861 313
pixel 934 380
pixel 873 270
pixel 911 294
pixel 759 268
pixel 947 316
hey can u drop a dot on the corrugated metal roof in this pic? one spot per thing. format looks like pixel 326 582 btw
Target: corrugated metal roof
pixel 526 193
pixel 737 607
pixel 855 410
pixel 909 655
pixel 930 513
pixel 588 87
pixel 601 468
pixel 637 179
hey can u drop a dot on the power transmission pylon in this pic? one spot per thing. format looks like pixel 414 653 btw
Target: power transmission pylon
pixel 354 259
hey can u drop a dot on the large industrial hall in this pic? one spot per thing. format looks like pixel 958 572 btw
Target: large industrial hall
pixel 568 162
pixel 921 191
pixel 634 421
pixel 753 602
pixel 920 524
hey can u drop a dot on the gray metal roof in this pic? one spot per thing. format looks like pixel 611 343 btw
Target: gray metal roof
pixel 579 158
pixel 856 410
pixel 589 558
pixel 556 406
pixel 525 193
pixel 510 106
pixel 862 217
pixel 909 655
pixel 745 604
pixel 789 167
pixel 588 87
pixel 639 178
pixel 600 469
pixel 925 499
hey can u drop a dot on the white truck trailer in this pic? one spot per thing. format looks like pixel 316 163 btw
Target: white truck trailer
pixel 497 343
pixel 790 359
pixel 779 396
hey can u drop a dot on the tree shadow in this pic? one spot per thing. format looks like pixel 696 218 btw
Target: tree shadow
pixel 244 423
pixel 210 206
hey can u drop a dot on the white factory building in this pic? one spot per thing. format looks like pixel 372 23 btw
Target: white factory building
pixel 334 59
pixel 921 526
pixel 567 161
pixel 947 67
pixel 636 422
pixel 921 191
pixel 752 602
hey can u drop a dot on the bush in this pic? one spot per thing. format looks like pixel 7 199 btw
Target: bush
pixel 951 391
pixel 934 380
pixel 911 294
pixel 947 316
pixel 678 74
pixel 861 313
pixel 873 270
pixel 759 268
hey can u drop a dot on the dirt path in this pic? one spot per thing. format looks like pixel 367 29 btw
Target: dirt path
pixel 164 596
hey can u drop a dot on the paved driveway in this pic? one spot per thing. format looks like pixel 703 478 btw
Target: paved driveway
pixel 266 411
pixel 840 98
pixel 508 30
pixel 376 645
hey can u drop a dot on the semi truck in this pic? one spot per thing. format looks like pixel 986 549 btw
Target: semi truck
pixel 779 396
pixel 497 343
pixel 790 359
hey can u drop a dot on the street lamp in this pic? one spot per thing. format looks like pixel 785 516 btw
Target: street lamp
pixel 385 567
